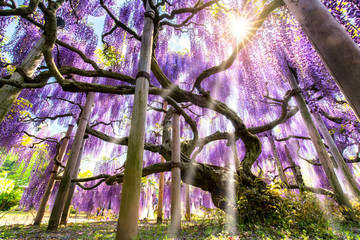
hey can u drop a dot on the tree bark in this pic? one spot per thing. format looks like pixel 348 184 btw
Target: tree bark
pixel 339 52
pixel 277 160
pixel 8 94
pixel 342 166
pixel 65 213
pixel 175 225
pixel 50 184
pixel 71 164
pixel 130 197
pixel 325 160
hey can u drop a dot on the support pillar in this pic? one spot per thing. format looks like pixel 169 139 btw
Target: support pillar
pixel 50 184
pixel 277 160
pixel 175 225
pixel 325 160
pixel 187 203
pixel 342 166
pixel 8 93
pixel 130 196
pixel 66 211
pixel 340 54
pixel 71 164
pixel 296 171
pixel 160 205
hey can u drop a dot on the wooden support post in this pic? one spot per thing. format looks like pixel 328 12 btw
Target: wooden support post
pixel 71 164
pixel 344 168
pixel 296 171
pixel 8 93
pixel 175 225
pixel 187 203
pixel 66 211
pixel 130 196
pixel 160 205
pixel 277 160
pixel 50 184
pixel 340 54
pixel 325 160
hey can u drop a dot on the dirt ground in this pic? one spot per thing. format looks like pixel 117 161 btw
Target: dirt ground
pixel 27 218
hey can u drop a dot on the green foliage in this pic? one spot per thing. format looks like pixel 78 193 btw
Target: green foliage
pixel 19 173
pixel 287 215
pixel 14 176
pixel 190 230
pixel 292 217
pixel 212 216
pixel 254 203
pixel 9 165
pixel 21 107
pixel 109 56
pixel 148 181
pixel 10 194
pixel 85 174
pixel 72 210
pixel 305 214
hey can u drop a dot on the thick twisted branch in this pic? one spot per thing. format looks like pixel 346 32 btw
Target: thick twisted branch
pixel 91 187
pixel 79 52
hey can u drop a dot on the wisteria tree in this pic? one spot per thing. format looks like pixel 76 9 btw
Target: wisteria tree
pixel 231 69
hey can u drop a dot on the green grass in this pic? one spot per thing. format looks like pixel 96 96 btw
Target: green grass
pixel 204 229
pixel 294 217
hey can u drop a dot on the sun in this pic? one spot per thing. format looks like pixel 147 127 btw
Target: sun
pixel 239 27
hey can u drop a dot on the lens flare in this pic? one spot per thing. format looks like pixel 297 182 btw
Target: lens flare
pixel 239 27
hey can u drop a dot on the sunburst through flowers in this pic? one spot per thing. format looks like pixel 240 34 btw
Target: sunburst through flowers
pixel 238 28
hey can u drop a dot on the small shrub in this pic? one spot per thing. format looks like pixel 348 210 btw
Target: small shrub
pixel 213 214
pixel 298 216
pixel 72 210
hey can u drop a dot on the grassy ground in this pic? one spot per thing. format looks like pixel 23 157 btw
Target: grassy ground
pixel 295 217
pixel 202 229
